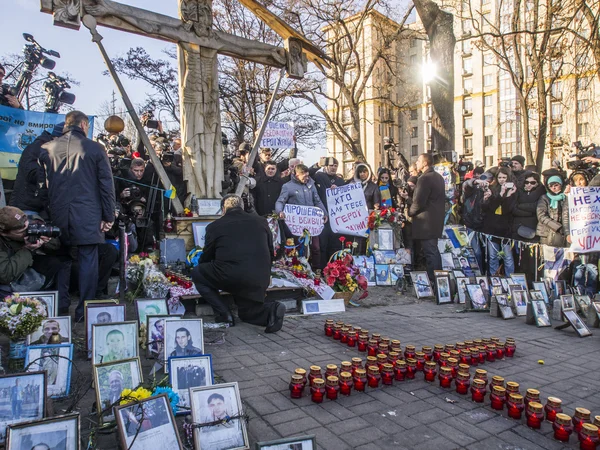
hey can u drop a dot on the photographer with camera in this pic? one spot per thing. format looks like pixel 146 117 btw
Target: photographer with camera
pixel 6 98
pixel 128 189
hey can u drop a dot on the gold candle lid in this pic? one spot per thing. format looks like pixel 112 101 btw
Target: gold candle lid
pixel 426 349
pixel 318 382
pixel 495 339
pixel 332 381
pixel 383 347
pixel 360 372
pixel 497 379
pixel 315 368
pixel 410 348
pixel 331 367
pixel 329 321
pixel 371 359
pixel 385 340
pixel 395 343
pixel 597 421
pixel 553 401
pixel 460 345
pixel 393 355
pixel 439 347
pixel 563 419
pixel 479 383
pixel 463 375
pixel 300 371
pixel 533 393
pixel 582 413
pixel 373 370
pixel 363 331
pixel 345 329
pixel 346 376
pixel 515 398
pixel 449 347
pixel 499 390
pixel 477 341
pixel 388 367
pixel 485 340
pixel 446 370
pixel 430 364
pixel 297 378
pixel 381 357
pixel 465 351
pixel 512 386
pixel 464 367
pixel 347 325
pixel 340 323
pixel 491 346
pixel 411 361
pixel 589 429
pixel 468 343
pixel 358 329
pixel 535 407
pixel 419 355
pixel 377 336
pixel 444 355
pixel 510 339
pixel 453 362
pixel 345 364
pixel 356 361
pixel 400 363
pixel 480 373
pixel 373 342
pixel 455 353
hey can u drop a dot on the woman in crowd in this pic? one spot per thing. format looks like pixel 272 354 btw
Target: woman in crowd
pixel 362 174
pixel 553 212
pixel 387 190
pixel 498 203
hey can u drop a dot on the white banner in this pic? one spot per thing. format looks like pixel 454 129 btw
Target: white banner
pixel 584 212
pixel 348 213
pixel 278 135
pixel 299 218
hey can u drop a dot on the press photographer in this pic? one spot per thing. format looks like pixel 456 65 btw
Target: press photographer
pixel 128 188
pixel 6 97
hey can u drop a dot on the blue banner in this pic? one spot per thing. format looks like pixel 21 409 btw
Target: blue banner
pixel 18 129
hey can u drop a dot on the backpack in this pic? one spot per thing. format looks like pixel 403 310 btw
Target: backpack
pixel 472 213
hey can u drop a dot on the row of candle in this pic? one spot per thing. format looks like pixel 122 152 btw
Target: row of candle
pixel 179 279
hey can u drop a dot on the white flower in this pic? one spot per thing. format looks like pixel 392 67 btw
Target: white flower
pixel 14 309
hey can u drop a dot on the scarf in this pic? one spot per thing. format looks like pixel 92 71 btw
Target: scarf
pixel 555 198
pixel 386 197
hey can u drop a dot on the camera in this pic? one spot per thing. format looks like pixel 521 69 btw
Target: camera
pixel 55 87
pixel 35 231
pixel 583 152
pixel 135 193
pixel 148 120
pixel 167 157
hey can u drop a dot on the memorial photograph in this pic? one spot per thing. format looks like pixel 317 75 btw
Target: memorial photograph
pixel 114 341
pixel 56 361
pixel 55 433
pixel 23 399
pixel 184 337
pixel 187 372
pixel 110 379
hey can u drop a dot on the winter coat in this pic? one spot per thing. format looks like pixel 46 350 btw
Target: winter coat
pixel 498 224
pixel 525 211
pixel 428 204
pixel 81 192
pixel 296 193
pixel 371 190
pixel 27 194
pixel 553 223
pixel 324 181
pixel 266 193
pixel 472 205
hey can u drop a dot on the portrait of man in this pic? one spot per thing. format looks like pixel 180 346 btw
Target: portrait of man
pixel 101 314
pixel 16 400
pixel 157 337
pixel 150 307
pixel 114 342
pixel 223 435
pixel 49 327
pixel 186 373
pixel 184 345
pixel 49 363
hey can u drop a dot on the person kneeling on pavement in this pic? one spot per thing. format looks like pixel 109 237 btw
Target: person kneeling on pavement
pixel 237 258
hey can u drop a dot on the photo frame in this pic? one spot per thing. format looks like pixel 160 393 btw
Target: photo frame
pixel 366 267
pixel 504 307
pixel 540 313
pixel 114 341
pixel 462 263
pixel 484 283
pixel 187 372
pixel 519 300
pixel 147 424
pixel 61 325
pixel 495 282
pixel 560 286
pixel 458 274
pixel 150 306
pixel 29 407
pixel 384 256
pixel 211 403
pixel 497 290
pixel 536 295
pixel 107 312
pixel 382 275
pixel 293 443
pixel 403 256
pixel 396 273
pixel 155 334
pixel 477 297
pixel 50 299
pixel 594 318
pixel 461 289
pixel 110 379
pixel 385 238
pixel 541 287
pixel 209 206
pixel 199 231
pixel 56 361
pixel 422 284
pixel 505 285
pixel 443 290
pixel 189 332
pixel 447 261
pixel 567 302
pixel 520 279
pixel 60 432
pixel 323 306
pixel 585 305
pixel 576 322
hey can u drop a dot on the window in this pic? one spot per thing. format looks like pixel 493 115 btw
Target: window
pixel 487 100
pixel 557 89
pixel 468 84
pixel 488 59
pixel 466 46
pixel 488 120
pixel 556 131
pixel 468 123
pixel 468 145
pixel 488 80
pixel 414 114
pixel 414 150
pixel 583 83
pixel 466 26
pixel 413 43
pixel 583 129
pixel 414 132
pixel 468 65
pixel 557 110
pixel 468 104
pixel 488 141
pixel 583 105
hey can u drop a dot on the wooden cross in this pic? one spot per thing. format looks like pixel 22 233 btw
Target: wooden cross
pixel 197 47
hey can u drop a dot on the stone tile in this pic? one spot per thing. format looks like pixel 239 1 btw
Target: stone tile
pixel 284 416
pixel 296 426
pixel 318 413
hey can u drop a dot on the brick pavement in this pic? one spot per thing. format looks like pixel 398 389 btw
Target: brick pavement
pixel 411 414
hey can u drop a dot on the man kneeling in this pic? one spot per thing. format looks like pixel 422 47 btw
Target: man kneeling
pixel 237 258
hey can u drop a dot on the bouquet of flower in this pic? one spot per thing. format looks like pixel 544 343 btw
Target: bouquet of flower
pixel 141 393
pixel 136 267
pixel 343 276
pixel 156 283
pixel 20 316
pixel 385 215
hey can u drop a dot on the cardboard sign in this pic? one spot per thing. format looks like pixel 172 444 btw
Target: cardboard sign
pixel 584 212
pixel 209 206
pixel 348 213
pixel 278 135
pixel 299 218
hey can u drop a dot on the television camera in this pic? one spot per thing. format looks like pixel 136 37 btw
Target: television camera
pixel 578 165
pixel 116 149
pixel 55 87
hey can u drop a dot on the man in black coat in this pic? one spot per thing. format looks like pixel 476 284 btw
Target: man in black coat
pixel 267 189
pixel 237 258
pixel 81 196
pixel 427 212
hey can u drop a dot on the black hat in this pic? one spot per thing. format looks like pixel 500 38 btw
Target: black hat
pixel 518 158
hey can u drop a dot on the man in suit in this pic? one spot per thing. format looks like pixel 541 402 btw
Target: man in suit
pixel 237 258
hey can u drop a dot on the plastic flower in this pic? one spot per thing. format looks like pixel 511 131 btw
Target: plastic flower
pixel 173 396
pixel 129 396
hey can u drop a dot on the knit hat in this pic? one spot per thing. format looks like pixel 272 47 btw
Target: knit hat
pixel 518 158
pixel 555 179
pixel 12 218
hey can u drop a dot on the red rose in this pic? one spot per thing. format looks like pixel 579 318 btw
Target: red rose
pixel 342 239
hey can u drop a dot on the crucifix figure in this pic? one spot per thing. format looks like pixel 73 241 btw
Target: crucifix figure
pixel 198 45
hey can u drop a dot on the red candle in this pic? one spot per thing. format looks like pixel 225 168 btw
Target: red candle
pixel 383 348
pixel 331 371
pixel 357 331
pixel 356 364
pixel 443 360
pixel 481 374
pixel 478 390
pixel 552 408
pixel 482 354
pixel 409 351
pixel 438 349
pixel 562 427
pixel 315 372
pixel 360 380
pixel 371 362
pixel 510 347
pixel 372 347
pixel 362 343
pixel 381 360
pixel 512 388
pixel 445 377
pixel 400 370
pixel 344 337
pixel 332 388
pixel 345 383
pixel 420 357
pixel 464 368
pixel 411 368
pixel 463 382
pixel 449 347
pixel 301 372
pixel 491 352
pixel 376 337
pixel 580 417
pixel 428 352
pixel 392 358
pixel 395 346
pixel 373 377
pixel 465 356
pixel 515 406
pixel 351 340
pixel 430 371
pixel 296 386
pixel 387 374
pixel 532 395
pixel 500 350
pixel 535 415
pixel 317 391
pixel 588 437
pixel 496 381
pixel 474 356
pixel 453 364
pixel 498 398
pixel 337 332
pixel 329 327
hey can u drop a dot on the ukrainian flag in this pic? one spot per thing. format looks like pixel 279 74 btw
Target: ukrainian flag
pixel 171 193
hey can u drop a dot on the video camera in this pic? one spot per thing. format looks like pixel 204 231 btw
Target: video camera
pixel 56 93
pixel 116 149
pixel 463 167
pixel 35 231
pixel 583 152
pixel 148 121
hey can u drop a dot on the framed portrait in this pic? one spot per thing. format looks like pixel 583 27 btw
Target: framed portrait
pixel 60 325
pixel 114 341
pixel 536 295
pixel 520 279
pixel 472 260
pixel 519 300
pixel 567 302
pixel 366 267
pixel 477 297
pixel 24 397
pixel 447 261
pixel 576 322
pixel 484 283
pixel 403 256
pixel 150 306
pixel 211 404
pixel 385 238
pixel 443 290
pixel 396 273
pixel 295 443
pixel 495 281
pixel 56 361
pixel 110 380
pixel 464 266
pixel 585 304
pixel 458 274
pixel 199 231
pixel 505 284
pixel 183 337
pixel 560 287
pixel 384 256
pixel 148 424
pixel 56 433
pixel 540 312
pixel 461 288
pixel 497 290
pixel 382 275
pixel 101 313
pixel 155 335
pixel 505 309
pixel 422 284
pixel 50 299
pixel 540 286
pixel 187 372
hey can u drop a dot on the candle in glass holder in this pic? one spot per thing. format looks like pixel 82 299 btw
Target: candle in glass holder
pixel 400 370
pixel 409 351
pixel 376 337
pixel 491 352
pixel 296 386
pixel 365 333
pixel 552 408
pixel 373 377
pixel 411 368
pixel 385 340
pixel 445 377
pixel 371 362
pixel 474 356
pixel 478 390
pixel 362 343
pixel 360 379
pixel 464 368
pixel 430 371
pixel 346 383
pixel 496 381
pixel 428 352
pixel 344 337
pixel 512 388
pixel 315 372
pixel 332 388
pixel 588 437
pixel 482 354
pixel 463 382
pixel 468 344
pixel 495 339
pixel 302 373
pixel 500 350
pixel 392 358
pixel 562 427
pixel 486 341
pixel 372 347
pixel 465 356
pixel 357 331
pixel 331 371
pixel 510 348
pixel 381 360
pixel 455 354
pixel 453 364
pixel 437 350
pixel 498 398
pixel 387 374
pixel 460 345
pixel 352 339
pixel 535 415
pixel 515 405
pixel 481 374
pixel 356 364
pixel 337 332
pixel 383 348
pixel 477 342
pixel 395 346
pixel 449 347
pixel 443 360
pixel 329 327
pixel 420 357
pixel 532 395
pixel 580 417
pixel 317 390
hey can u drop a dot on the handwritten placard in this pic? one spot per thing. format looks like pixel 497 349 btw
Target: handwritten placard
pixel 584 213
pixel 278 135
pixel 348 213
pixel 299 218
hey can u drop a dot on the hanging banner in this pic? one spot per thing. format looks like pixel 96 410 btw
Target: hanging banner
pixel 18 129
pixel 584 213
pixel 348 213
pixel 447 173
pixel 278 135
pixel 299 218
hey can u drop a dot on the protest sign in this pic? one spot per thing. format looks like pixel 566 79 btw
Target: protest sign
pixel 278 135
pixel 584 212
pixel 299 218
pixel 348 213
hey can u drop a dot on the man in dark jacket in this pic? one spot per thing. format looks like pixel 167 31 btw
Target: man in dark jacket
pixel 237 259
pixel 517 164
pixel 81 196
pixel 427 212
pixel 267 189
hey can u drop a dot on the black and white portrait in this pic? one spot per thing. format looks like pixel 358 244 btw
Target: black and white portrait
pixel 111 379
pixel 183 337
pixel 155 326
pixel 189 372
pixel 55 360
pixel 59 325
pixel 56 433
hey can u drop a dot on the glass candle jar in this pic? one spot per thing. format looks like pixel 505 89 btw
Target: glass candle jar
pixel 491 352
pixel 512 388
pixel 351 341
pixel 376 337
pixel 532 395
pixel 329 327
pixel 346 383
pixel 552 408
pixel 383 348
pixel 400 370
pixel 443 360
pixel 495 339
pixel 331 371
pixel 420 357
pixel 332 388
pixel 317 390
pixel 385 340
pixel 301 372
pixel 364 332
pixel 362 343
pixel 460 345
pixel 535 415
pixel 356 364
pixel 344 336
pixel 515 406
pixel 430 371
pixel 445 377
pixel 478 390
pixel 474 356
pixel 482 354
pixel 453 365
pixel 411 368
pixel 387 374
pixel 562 427
pixel 357 331
pixel 481 374
pixel 500 350
pixel 315 372
pixel 371 362
pixel 580 417
pixel 392 358
pixel 296 386
pixel 469 344
pixel 455 354
pixel 372 347
pixel 464 368
pixel 428 352
pixel 498 398
pixel 509 348
pixel 373 377
pixel 437 350
pixel 337 332
pixel 381 360
pixel 409 351
pixel 340 323
pixel 395 346
pixel 496 381
pixel 588 437
pixel 360 380
pixel 463 382
pixel 449 347
pixel 597 421
pixel 465 356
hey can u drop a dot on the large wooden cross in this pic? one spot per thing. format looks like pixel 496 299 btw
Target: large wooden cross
pixel 197 47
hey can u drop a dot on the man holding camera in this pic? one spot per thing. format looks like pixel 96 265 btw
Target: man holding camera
pixel 6 98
